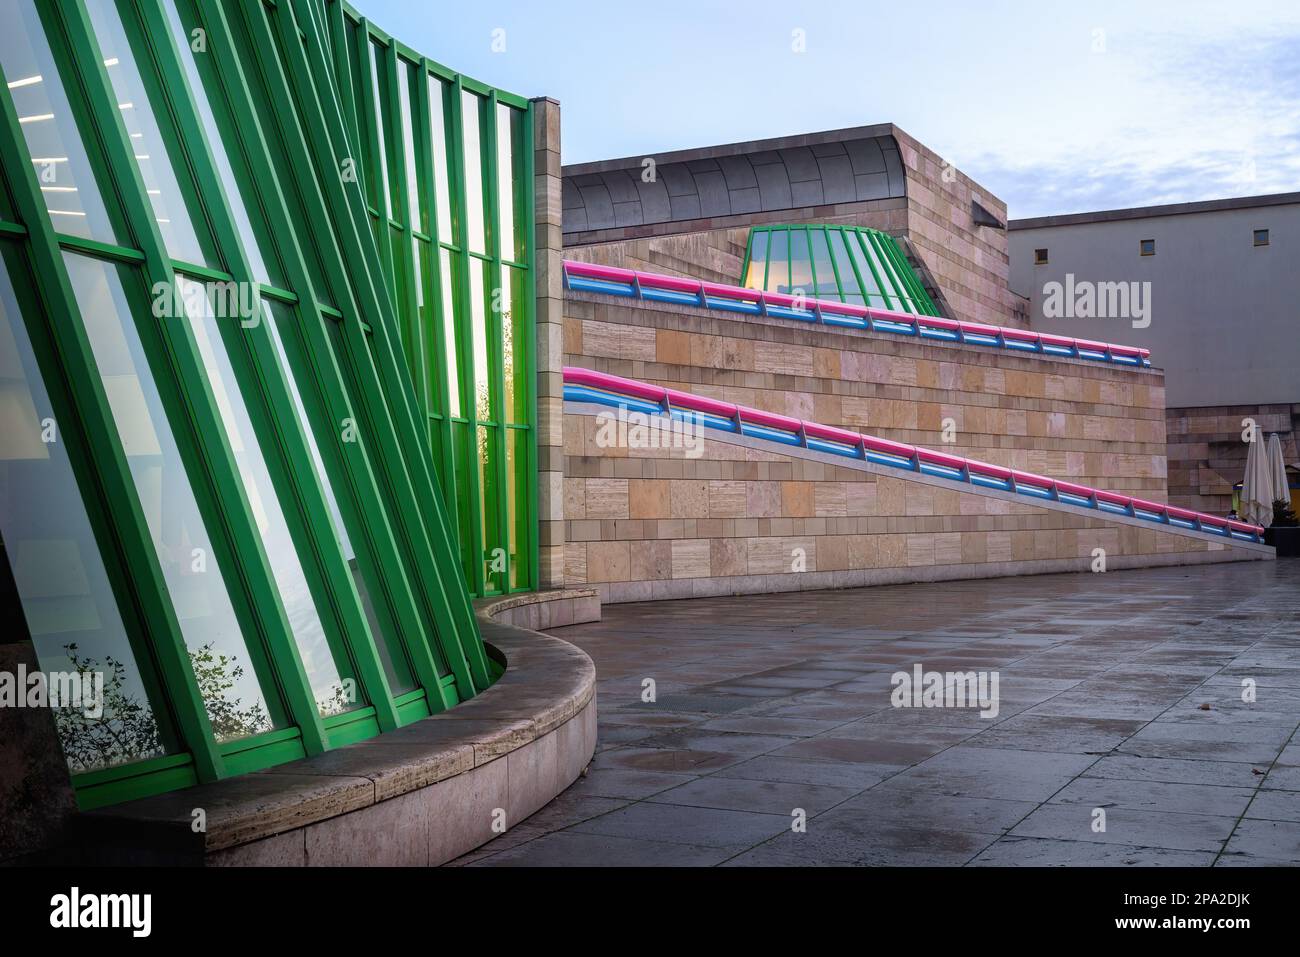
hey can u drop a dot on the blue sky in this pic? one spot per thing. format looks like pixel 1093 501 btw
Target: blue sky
pixel 1054 107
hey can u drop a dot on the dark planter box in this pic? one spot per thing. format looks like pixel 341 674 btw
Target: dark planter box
pixel 1285 538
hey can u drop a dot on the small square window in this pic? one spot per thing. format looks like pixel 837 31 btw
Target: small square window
pixel 1040 257
pixel 1147 247
pixel 1261 237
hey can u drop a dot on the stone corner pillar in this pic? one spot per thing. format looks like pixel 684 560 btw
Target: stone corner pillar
pixel 548 254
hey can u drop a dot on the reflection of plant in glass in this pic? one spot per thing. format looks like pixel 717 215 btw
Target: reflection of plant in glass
pixel 228 720
pixel 124 730
pixel 337 701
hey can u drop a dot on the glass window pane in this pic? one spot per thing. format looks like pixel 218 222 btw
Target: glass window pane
pixel 236 703
pixel 385 199
pixel 240 206
pixel 328 690
pixel 778 269
pixel 489 498
pixel 441 181
pixel 414 195
pixel 399 676
pixel 517 505
pixel 45 116
pixel 479 330
pixel 424 335
pixel 757 262
pixel 871 286
pixel 825 273
pixel 147 141
pixel 848 281
pixel 514 345
pixel 66 598
pixel 510 152
pixel 470 106
pixel 801 277
pixel 450 351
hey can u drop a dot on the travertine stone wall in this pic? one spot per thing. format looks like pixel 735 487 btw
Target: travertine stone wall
pixel 731 518
pixel 549 284
pixel 649 524
pixel 1207 455
pixel 1097 424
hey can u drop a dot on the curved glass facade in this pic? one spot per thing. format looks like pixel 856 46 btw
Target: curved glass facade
pixel 852 264
pixel 266 359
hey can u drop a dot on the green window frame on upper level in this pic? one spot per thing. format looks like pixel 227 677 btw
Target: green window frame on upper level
pixel 852 264
pixel 205 369
pixel 446 163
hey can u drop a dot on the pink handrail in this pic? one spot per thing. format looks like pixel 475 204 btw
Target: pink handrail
pixel 711 290
pixel 674 398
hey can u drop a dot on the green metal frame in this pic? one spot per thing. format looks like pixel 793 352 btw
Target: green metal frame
pixel 291 105
pixel 900 288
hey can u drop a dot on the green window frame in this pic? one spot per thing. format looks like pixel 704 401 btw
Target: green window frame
pixel 339 368
pixel 872 270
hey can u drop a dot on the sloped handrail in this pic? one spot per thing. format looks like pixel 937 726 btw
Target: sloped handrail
pixel 589 385
pixel 590 277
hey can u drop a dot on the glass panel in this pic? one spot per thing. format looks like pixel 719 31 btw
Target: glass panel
pixel 848 281
pixel 871 287
pixel 239 206
pixel 330 693
pixel 826 287
pixel 147 142
pixel 510 151
pixel 395 668
pixel 469 105
pixel 66 598
pixel 53 142
pixel 236 704
pixel 514 345
pixel 425 327
pixel 801 277
pixel 461 439
pixel 757 261
pixel 450 352
pixel 479 331
pixel 441 181
pixel 414 195
pixel 379 161
pixel 517 505
pixel 778 269
pixel 489 498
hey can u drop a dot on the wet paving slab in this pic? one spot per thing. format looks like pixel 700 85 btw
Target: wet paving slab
pixel 1163 702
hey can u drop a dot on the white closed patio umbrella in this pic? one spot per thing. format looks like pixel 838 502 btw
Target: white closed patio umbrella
pixel 1257 487
pixel 1277 469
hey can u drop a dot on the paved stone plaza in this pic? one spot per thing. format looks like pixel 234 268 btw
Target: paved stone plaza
pixel 1120 691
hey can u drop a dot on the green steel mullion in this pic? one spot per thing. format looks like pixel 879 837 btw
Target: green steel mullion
pixel 338 28
pixel 767 259
pixel 496 337
pixel 406 298
pixel 410 470
pixel 271 405
pixel 386 378
pixel 368 141
pixel 895 279
pixel 835 269
pixel 744 262
pixel 920 298
pixel 367 519
pixel 432 343
pixel 196 422
pixel 465 343
pixel 845 239
pixel 533 518
pixel 458 635
pixel 864 244
pixel 789 261
pixel 323 392
pixel 106 463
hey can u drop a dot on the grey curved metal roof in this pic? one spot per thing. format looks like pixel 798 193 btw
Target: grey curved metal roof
pixel 729 184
